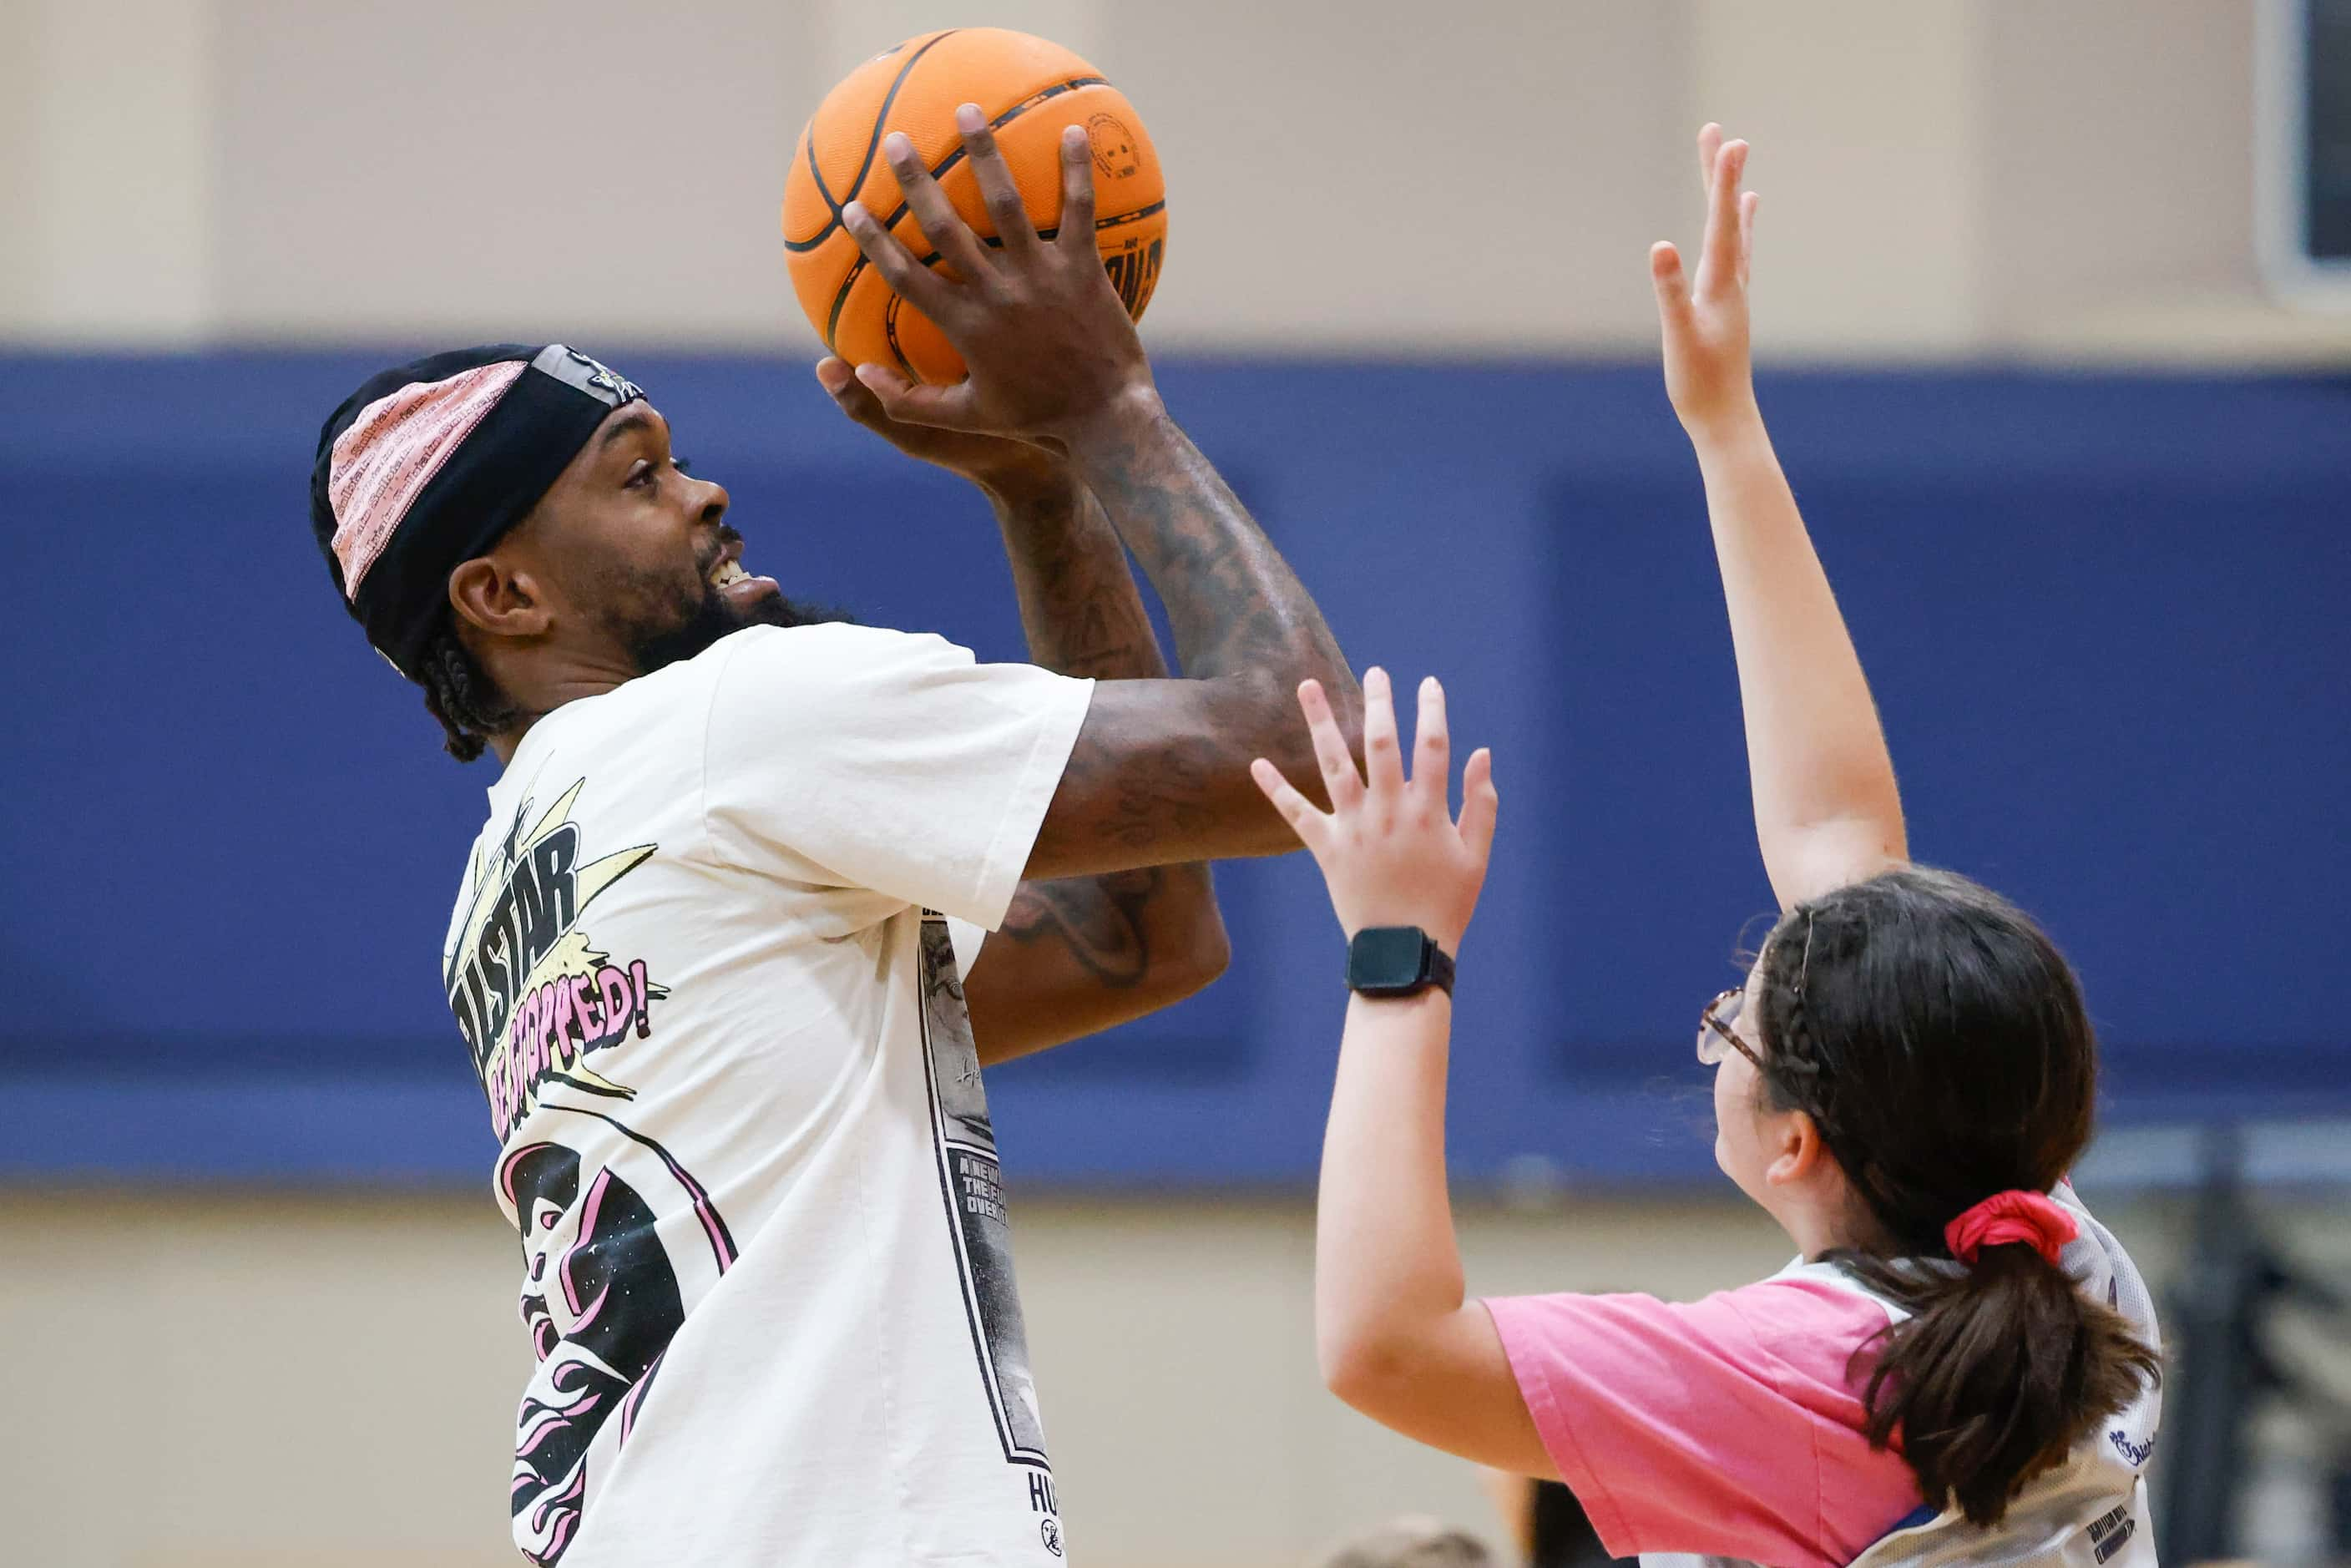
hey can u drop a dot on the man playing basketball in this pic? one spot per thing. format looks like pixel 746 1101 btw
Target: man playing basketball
pixel 709 946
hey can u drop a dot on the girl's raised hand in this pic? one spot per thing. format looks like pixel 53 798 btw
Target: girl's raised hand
pixel 1708 372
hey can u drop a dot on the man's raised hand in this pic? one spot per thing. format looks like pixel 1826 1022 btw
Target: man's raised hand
pixel 1046 340
pixel 996 464
pixel 1709 370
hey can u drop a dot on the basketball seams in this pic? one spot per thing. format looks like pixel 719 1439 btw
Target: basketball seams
pixel 872 145
pixel 860 314
pixel 1045 94
pixel 890 336
pixel 882 115
pixel 833 322
pixel 807 144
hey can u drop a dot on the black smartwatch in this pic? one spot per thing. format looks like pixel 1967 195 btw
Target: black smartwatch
pixel 1396 961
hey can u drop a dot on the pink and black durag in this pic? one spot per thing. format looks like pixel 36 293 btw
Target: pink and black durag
pixel 430 462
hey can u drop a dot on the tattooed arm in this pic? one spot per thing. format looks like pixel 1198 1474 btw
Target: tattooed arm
pixel 1160 772
pixel 1163 767
pixel 1078 954
pixel 1075 955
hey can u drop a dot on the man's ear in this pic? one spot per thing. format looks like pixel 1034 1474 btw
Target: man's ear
pixel 1797 1149
pixel 493 598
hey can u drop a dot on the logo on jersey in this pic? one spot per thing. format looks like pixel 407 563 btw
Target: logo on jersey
pixel 534 997
pixel 2111 1532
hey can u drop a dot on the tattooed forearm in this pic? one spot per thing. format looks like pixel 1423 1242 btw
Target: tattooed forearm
pixel 1079 604
pixel 1081 954
pixel 1103 921
pixel 1084 615
pixel 1155 775
pixel 1167 774
pixel 1144 796
pixel 1233 602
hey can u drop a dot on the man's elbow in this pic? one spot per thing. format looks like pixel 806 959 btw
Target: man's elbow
pixel 1201 962
pixel 1212 954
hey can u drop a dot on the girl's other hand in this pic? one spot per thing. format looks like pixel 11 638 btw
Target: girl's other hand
pixel 1390 849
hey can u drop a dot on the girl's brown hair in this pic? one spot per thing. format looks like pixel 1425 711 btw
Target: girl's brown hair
pixel 1937 1039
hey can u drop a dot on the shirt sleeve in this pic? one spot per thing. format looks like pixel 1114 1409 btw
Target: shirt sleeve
pixel 967 939
pixel 1730 1426
pixel 886 761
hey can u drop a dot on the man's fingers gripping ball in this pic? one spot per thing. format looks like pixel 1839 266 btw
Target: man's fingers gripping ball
pixel 1007 161
pixel 857 400
pixel 1076 231
pixel 997 192
pixel 940 223
pixel 929 292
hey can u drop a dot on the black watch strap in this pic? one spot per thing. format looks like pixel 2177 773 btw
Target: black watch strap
pixel 1396 961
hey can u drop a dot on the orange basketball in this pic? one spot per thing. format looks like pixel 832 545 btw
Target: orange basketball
pixel 1030 89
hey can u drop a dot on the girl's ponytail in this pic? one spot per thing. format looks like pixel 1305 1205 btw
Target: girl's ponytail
pixel 2003 1366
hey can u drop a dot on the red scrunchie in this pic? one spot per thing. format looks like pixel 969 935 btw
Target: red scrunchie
pixel 2009 1217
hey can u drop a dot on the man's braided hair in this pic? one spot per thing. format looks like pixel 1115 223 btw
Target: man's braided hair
pixel 462 696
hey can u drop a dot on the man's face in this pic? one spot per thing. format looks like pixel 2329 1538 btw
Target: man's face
pixel 638 553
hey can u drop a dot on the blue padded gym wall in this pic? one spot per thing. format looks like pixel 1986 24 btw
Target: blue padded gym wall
pixel 2106 618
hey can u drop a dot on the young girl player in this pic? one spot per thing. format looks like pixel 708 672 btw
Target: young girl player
pixel 1961 1366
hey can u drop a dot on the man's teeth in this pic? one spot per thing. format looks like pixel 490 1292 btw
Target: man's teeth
pixel 727 571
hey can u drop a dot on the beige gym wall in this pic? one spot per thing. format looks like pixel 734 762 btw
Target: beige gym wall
pixel 221 1381
pixel 1940 178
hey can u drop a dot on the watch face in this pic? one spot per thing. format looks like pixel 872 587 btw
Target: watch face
pixel 1383 955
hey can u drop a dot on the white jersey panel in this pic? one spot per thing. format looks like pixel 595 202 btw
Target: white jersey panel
pixel 2089 1512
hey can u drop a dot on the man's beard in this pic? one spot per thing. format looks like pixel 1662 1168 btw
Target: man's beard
pixel 714 618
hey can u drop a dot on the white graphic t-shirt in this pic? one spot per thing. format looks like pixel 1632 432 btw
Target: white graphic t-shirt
pixel 766 1266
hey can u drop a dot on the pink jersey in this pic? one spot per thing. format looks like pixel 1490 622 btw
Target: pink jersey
pixel 1732 1428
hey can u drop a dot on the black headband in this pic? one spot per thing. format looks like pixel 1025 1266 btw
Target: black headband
pixel 428 464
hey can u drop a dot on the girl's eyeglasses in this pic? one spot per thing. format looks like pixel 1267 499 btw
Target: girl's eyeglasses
pixel 1717 1030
